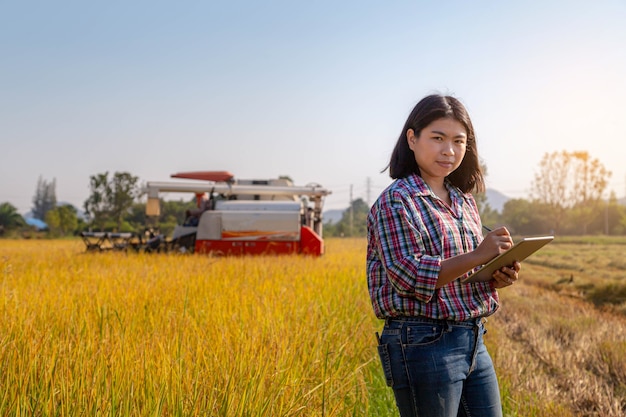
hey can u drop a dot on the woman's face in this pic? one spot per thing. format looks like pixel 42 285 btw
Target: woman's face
pixel 439 149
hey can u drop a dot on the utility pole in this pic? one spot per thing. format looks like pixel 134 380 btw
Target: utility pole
pixel 351 211
pixel 368 190
pixel 606 217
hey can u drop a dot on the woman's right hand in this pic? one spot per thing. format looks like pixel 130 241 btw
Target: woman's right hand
pixel 494 243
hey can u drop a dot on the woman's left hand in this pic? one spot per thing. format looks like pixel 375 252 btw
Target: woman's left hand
pixel 506 276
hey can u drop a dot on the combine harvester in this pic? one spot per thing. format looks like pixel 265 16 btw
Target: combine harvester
pixel 240 217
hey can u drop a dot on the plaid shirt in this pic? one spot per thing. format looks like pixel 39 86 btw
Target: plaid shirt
pixel 410 231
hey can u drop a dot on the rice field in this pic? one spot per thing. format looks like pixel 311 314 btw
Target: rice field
pixel 115 334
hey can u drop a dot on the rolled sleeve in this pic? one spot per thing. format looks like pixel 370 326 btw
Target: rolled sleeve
pixel 411 272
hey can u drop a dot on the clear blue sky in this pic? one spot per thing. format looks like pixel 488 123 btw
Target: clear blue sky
pixel 315 90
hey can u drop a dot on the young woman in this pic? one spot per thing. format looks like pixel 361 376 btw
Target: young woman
pixel 424 235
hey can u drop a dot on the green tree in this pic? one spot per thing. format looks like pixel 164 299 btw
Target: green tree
pixel 606 220
pixel 45 198
pixel 174 210
pixel 622 222
pixel 172 214
pixel 10 219
pixel 62 220
pixel 570 179
pixel 613 212
pixel 523 217
pixel 488 215
pixel 136 216
pixel 353 221
pixel 111 199
pixel 124 192
pixel 97 204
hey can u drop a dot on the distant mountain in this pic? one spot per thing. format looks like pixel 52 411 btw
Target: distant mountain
pixel 496 199
pixel 333 215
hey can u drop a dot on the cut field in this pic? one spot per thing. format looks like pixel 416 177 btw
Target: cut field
pixel 180 335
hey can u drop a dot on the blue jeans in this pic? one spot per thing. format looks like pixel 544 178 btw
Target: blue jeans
pixel 439 368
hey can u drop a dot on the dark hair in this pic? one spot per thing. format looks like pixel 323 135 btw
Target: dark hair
pixel 468 176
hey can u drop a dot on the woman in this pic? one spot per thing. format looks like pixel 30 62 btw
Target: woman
pixel 424 235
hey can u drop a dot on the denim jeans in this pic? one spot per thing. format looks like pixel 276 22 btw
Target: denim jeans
pixel 439 368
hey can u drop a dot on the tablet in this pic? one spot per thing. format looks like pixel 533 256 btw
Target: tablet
pixel 518 252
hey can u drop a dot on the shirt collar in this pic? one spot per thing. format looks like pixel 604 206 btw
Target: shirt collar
pixel 420 188
pixel 418 185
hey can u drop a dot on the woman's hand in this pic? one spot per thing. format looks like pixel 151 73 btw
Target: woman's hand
pixel 506 276
pixel 494 243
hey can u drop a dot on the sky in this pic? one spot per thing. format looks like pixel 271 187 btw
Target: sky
pixel 318 91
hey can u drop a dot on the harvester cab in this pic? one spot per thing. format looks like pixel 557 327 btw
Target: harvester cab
pixel 237 217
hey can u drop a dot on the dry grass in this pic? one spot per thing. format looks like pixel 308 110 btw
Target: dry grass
pixel 166 335
pixel 590 269
pixel 551 345
pixel 559 355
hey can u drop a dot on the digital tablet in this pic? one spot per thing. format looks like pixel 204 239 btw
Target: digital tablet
pixel 518 252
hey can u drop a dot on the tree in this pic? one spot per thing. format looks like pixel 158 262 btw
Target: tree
pixel 488 215
pixel 62 220
pixel 523 217
pixel 613 212
pixel 353 221
pixel 111 199
pixel 622 221
pixel 570 179
pixel 45 198
pixel 124 192
pixel 97 205
pixel 606 219
pixel 9 218
pixel 172 214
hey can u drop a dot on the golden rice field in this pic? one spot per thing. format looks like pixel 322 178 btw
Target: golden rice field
pixel 115 334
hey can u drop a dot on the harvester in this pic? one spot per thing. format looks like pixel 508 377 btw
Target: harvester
pixel 239 217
